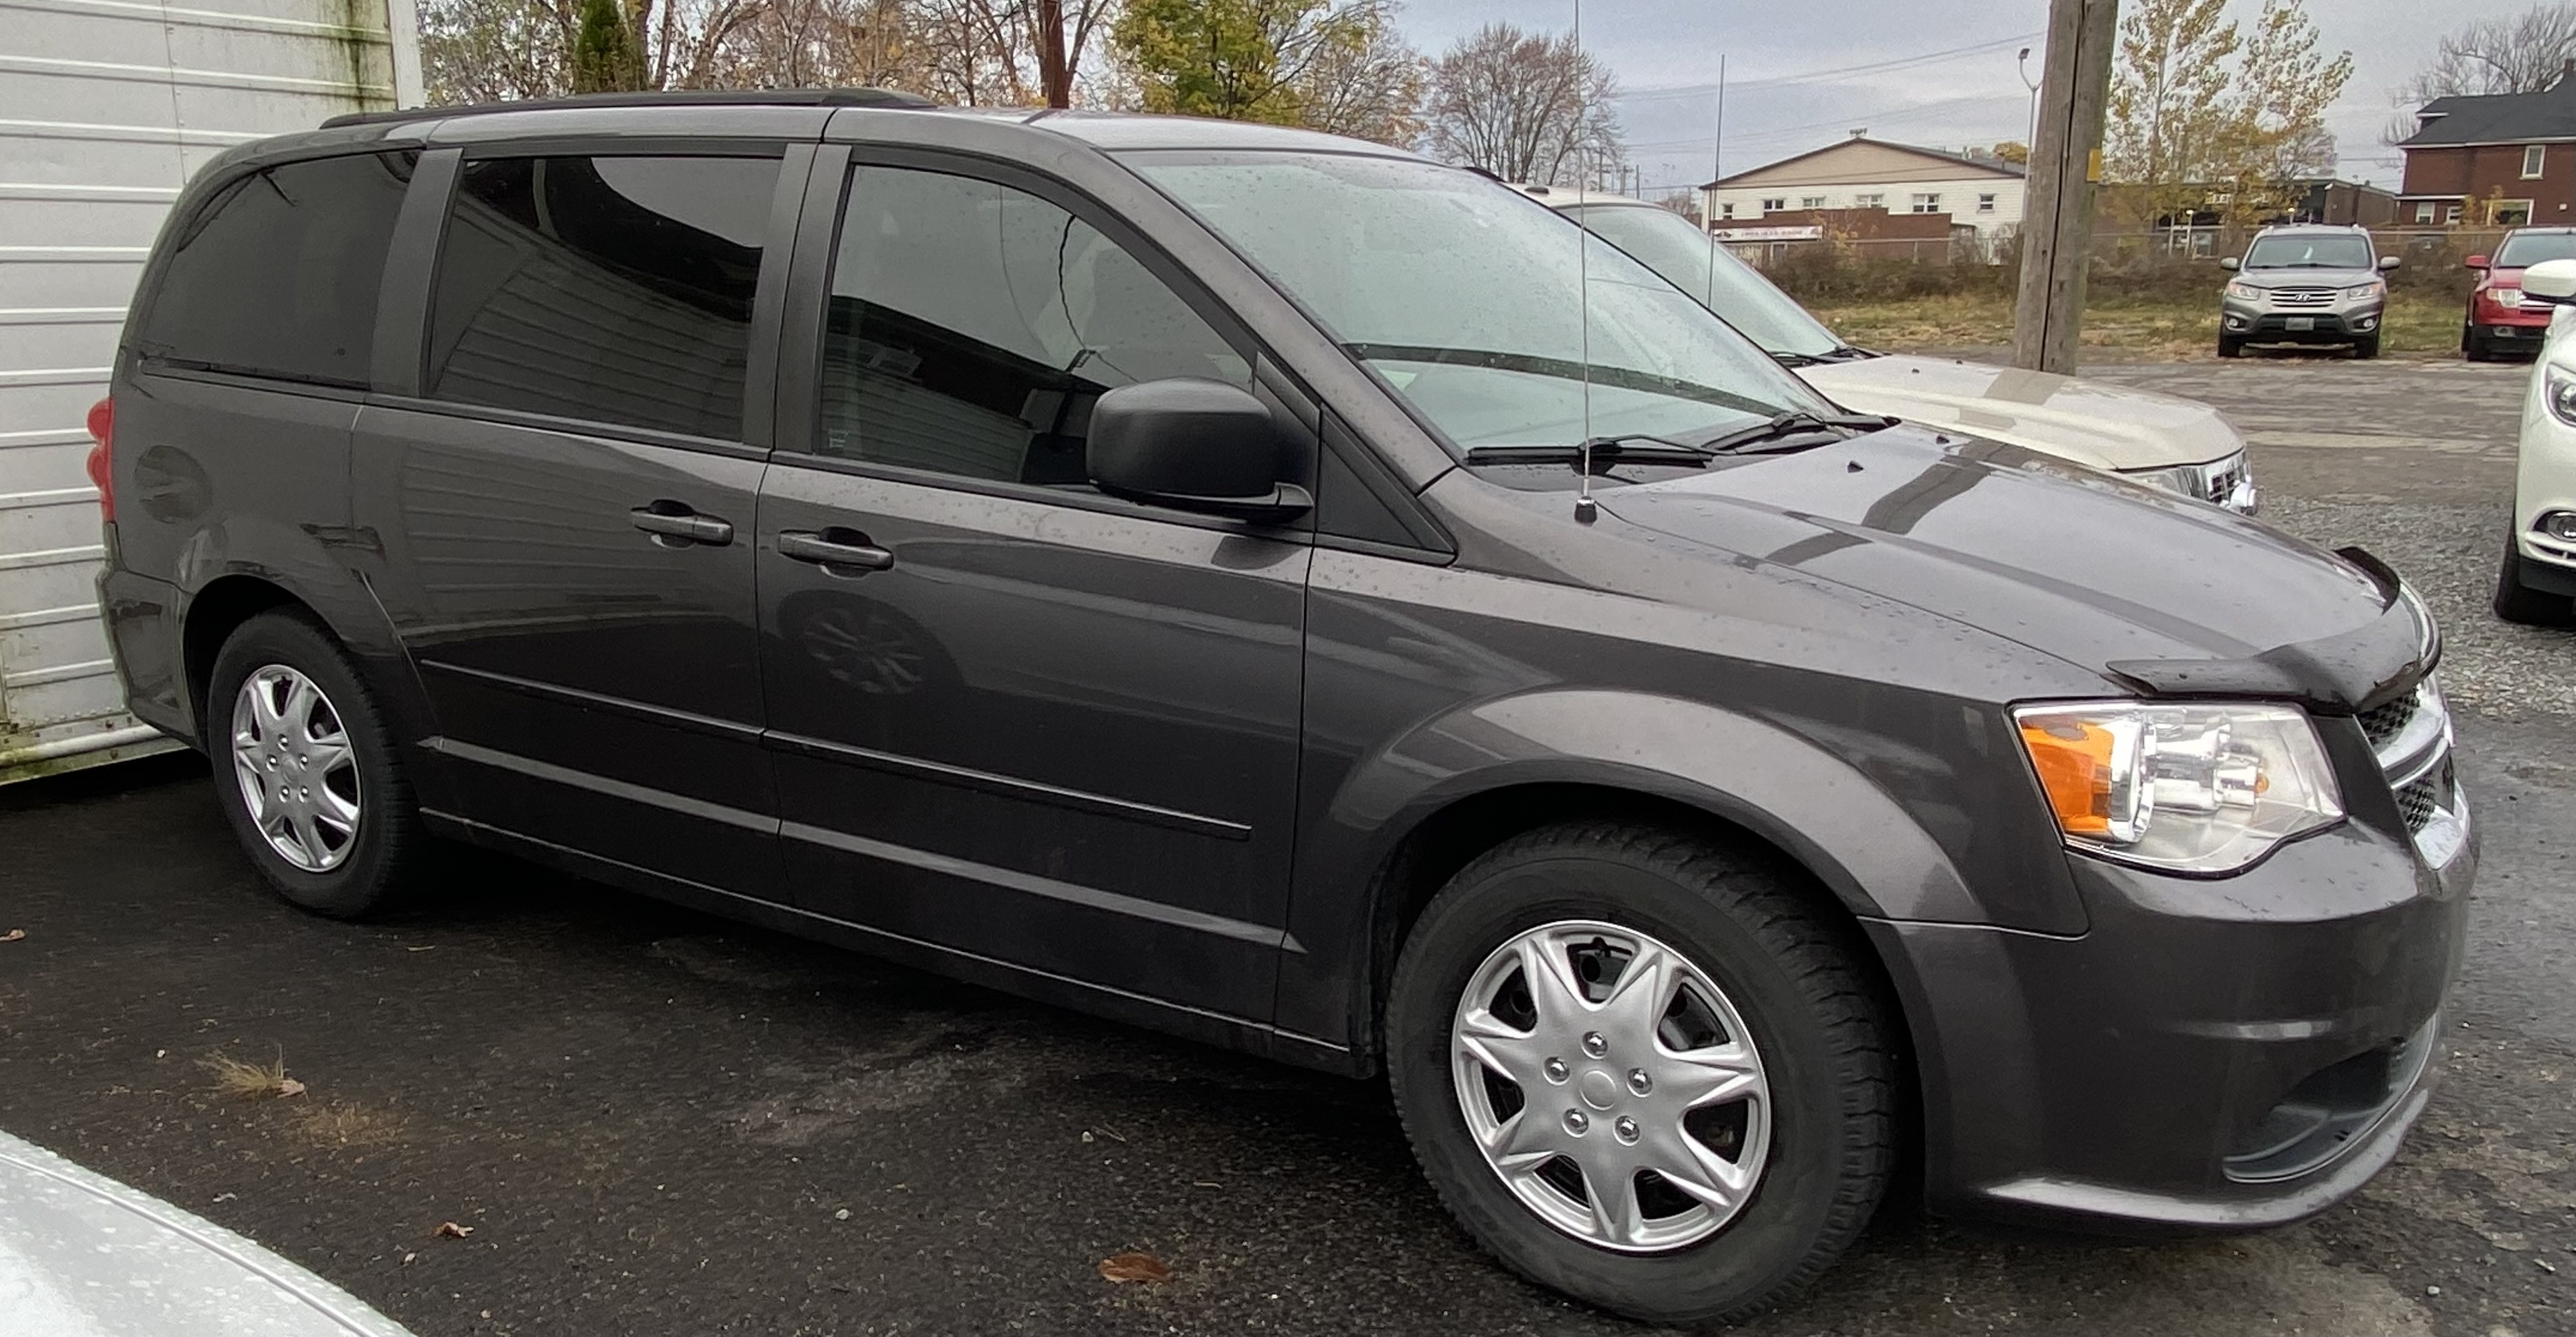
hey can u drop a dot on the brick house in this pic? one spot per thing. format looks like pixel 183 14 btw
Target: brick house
pixel 2496 161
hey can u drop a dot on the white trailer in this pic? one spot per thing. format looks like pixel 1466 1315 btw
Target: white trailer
pixel 106 108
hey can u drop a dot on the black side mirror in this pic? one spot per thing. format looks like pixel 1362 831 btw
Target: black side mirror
pixel 1197 446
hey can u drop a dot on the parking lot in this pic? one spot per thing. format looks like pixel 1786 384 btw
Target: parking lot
pixel 644 1120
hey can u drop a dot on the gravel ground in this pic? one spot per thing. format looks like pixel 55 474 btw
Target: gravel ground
pixel 657 1122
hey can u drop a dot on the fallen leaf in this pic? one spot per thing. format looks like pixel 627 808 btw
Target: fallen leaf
pixel 408 1257
pixel 13 935
pixel 1124 1267
pixel 288 1086
pixel 449 1230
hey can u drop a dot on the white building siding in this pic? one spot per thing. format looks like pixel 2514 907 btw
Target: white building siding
pixel 107 107
pixel 1958 197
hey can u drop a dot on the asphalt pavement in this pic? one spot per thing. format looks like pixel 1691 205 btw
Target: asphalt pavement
pixel 642 1120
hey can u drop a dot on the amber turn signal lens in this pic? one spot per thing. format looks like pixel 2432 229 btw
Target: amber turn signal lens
pixel 2074 763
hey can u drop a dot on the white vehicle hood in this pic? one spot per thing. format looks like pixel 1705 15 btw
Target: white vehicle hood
pixel 2090 422
pixel 84 1256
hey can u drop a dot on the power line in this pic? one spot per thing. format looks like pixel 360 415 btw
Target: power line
pixel 1778 132
pixel 1818 76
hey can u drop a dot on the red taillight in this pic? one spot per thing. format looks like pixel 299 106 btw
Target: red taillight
pixel 102 457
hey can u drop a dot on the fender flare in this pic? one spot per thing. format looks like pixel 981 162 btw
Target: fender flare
pixel 1844 828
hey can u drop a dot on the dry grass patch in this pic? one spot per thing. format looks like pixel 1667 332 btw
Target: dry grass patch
pixel 343 1124
pixel 237 1080
pixel 2416 323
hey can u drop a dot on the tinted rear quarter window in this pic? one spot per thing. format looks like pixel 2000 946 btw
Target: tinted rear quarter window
pixel 613 289
pixel 277 275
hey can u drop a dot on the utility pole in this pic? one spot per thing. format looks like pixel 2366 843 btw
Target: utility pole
pixel 2057 216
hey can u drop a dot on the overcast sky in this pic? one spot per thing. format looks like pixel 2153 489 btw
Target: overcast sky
pixel 1956 86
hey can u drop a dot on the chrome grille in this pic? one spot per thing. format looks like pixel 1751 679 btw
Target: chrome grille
pixel 2303 296
pixel 2382 723
pixel 2411 737
pixel 2418 802
pixel 2222 484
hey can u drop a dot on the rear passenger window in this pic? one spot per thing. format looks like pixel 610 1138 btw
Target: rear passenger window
pixel 972 326
pixel 612 289
pixel 277 275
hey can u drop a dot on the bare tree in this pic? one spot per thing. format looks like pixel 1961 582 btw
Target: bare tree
pixel 494 50
pixel 1368 88
pixel 2524 53
pixel 817 44
pixel 975 52
pixel 1525 107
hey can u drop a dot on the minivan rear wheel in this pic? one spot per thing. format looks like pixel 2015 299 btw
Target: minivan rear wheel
pixel 1644 1069
pixel 307 769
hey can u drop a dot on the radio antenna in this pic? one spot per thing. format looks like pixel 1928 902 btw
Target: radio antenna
pixel 1585 512
pixel 1716 173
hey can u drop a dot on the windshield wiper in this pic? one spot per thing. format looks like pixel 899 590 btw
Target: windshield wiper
pixel 1625 448
pixel 1795 360
pixel 1795 422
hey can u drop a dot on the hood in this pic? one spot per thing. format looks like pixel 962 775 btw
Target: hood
pixel 2281 277
pixel 2144 588
pixel 2090 422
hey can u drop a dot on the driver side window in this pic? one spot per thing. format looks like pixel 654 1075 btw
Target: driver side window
pixel 972 326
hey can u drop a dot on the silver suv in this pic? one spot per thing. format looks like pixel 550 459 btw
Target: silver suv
pixel 2306 283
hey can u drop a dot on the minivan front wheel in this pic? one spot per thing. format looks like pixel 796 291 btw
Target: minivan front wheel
pixel 307 770
pixel 1644 1069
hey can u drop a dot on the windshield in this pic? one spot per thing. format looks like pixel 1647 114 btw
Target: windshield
pixel 2310 251
pixel 1674 247
pixel 1462 294
pixel 2522 250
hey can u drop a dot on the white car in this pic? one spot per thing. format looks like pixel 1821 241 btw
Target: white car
pixel 82 1255
pixel 2538 582
pixel 2180 445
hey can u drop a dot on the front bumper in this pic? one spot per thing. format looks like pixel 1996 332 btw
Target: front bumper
pixel 2509 324
pixel 2254 323
pixel 2211 1053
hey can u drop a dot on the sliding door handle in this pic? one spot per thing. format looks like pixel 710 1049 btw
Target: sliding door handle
pixel 835 548
pixel 674 523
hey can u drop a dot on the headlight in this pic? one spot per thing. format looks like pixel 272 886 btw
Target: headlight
pixel 2221 481
pixel 2505 297
pixel 2364 292
pixel 2243 291
pixel 2559 388
pixel 2192 788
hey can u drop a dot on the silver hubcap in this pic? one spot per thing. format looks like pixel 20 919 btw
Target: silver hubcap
pixel 298 773
pixel 1611 1085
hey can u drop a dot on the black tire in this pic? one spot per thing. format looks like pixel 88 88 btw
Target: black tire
pixel 2230 347
pixel 2473 348
pixel 2519 602
pixel 2367 346
pixel 381 858
pixel 1790 970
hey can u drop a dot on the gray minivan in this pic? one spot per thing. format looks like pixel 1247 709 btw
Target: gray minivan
pixel 1302 597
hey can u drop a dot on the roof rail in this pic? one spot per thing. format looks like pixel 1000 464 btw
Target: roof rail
pixel 687 97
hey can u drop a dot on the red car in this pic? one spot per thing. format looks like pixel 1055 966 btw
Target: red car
pixel 2499 323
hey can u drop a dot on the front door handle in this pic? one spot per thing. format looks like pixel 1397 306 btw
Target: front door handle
pixel 845 549
pixel 673 523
